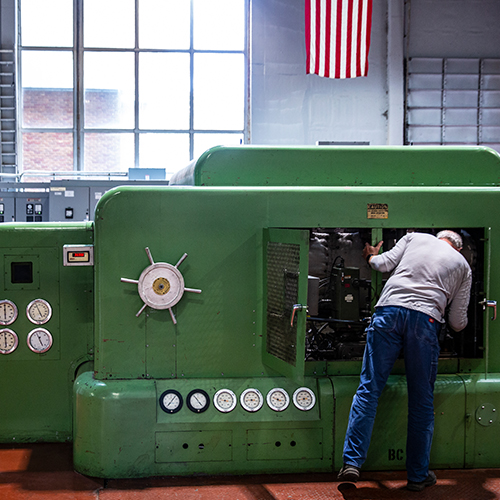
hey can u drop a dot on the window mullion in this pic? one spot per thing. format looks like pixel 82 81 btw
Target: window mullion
pixel 136 76
pixel 79 88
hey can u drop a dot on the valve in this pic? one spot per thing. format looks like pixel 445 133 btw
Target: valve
pixel 161 285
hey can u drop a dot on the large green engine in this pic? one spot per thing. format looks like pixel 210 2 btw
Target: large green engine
pixel 217 325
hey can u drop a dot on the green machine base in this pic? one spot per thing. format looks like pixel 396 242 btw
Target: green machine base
pixel 121 430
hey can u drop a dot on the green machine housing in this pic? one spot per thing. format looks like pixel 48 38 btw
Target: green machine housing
pixel 216 326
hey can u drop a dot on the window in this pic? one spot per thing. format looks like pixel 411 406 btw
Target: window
pixel 107 85
pixel 453 102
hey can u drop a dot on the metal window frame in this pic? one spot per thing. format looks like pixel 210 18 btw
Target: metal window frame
pixel 428 67
pixel 78 130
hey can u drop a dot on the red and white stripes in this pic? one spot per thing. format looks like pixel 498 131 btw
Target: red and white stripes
pixel 338 37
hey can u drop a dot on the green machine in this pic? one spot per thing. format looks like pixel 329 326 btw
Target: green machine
pixel 229 312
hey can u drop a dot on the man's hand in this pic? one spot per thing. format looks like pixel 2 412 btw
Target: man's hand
pixel 369 250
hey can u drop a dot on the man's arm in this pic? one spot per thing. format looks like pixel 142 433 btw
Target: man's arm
pixel 386 261
pixel 457 316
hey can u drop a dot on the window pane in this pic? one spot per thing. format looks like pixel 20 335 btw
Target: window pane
pixel 108 152
pixel 202 142
pixel 47 89
pixel 48 151
pixel 164 24
pixel 164 91
pixel 219 25
pixel 109 90
pixel 219 91
pixel 41 27
pixel 169 151
pixel 109 23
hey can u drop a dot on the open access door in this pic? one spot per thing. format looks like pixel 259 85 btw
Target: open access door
pixel 286 261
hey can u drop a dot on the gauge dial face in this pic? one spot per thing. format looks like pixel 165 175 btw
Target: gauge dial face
pixel 171 401
pixel 161 285
pixel 278 399
pixel 304 399
pixel 251 400
pixel 39 311
pixel 39 340
pixel 225 400
pixel 8 341
pixel 198 401
pixel 8 312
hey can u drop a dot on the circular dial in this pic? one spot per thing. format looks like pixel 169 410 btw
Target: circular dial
pixel 161 285
pixel 8 341
pixel 278 399
pixel 198 401
pixel 225 400
pixel 39 311
pixel 251 400
pixel 39 340
pixel 8 312
pixel 304 399
pixel 171 401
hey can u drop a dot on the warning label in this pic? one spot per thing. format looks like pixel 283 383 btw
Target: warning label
pixel 378 210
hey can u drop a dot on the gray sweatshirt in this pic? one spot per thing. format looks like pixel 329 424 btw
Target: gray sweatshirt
pixel 428 274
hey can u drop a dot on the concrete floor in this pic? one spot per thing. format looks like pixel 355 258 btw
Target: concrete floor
pixel 45 471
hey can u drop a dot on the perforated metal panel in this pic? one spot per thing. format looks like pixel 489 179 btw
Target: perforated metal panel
pixel 453 102
pixel 282 291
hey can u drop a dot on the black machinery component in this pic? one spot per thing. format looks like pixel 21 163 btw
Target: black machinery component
pixel 341 296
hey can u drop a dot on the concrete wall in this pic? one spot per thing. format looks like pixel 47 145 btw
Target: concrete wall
pixel 454 28
pixel 291 108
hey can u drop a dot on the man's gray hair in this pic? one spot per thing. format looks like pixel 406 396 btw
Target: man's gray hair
pixel 454 238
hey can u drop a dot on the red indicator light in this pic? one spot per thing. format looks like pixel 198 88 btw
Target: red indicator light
pixel 78 254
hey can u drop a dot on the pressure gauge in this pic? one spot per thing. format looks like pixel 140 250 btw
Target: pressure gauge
pixel 251 400
pixel 39 311
pixel 304 399
pixel 198 401
pixel 225 400
pixel 8 312
pixel 171 401
pixel 8 341
pixel 278 399
pixel 39 340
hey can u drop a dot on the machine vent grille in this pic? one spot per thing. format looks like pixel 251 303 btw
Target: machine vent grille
pixel 282 291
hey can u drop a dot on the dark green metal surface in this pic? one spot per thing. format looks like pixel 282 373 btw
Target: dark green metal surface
pixel 36 389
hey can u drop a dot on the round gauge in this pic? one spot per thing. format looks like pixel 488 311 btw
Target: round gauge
pixel 39 340
pixel 171 401
pixel 278 399
pixel 8 341
pixel 39 311
pixel 225 400
pixel 161 285
pixel 304 399
pixel 198 401
pixel 8 312
pixel 251 400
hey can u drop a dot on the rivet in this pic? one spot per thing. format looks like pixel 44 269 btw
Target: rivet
pixel 479 418
pixel 494 409
pixel 482 407
pixel 491 421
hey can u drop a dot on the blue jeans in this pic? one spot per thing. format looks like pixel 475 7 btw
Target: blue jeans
pixel 391 329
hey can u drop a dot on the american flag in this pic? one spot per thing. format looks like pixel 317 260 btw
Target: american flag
pixel 338 37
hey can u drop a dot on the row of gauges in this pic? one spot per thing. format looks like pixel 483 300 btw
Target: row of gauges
pixel 38 312
pixel 39 340
pixel 225 400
